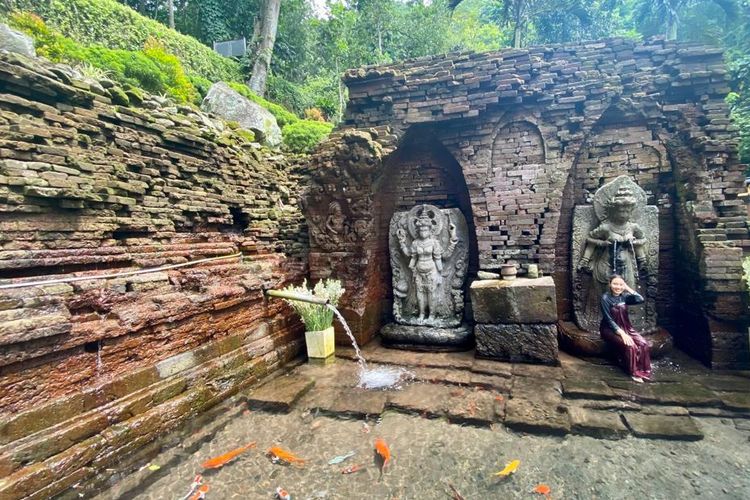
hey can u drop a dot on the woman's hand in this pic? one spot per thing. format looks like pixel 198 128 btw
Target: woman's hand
pixel 627 288
pixel 626 339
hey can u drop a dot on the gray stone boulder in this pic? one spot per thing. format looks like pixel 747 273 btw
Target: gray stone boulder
pixel 232 106
pixel 13 41
pixel 518 301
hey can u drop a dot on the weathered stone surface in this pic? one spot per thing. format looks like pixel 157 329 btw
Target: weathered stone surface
pixel 586 389
pixel 428 338
pixel 599 424
pixel 473 407
pixel 527 301
pixel 358 403
pixel 663 427
pixel 279 394
pixel 13 41
pixel 525 343
pixel 428 400
pixel 230 105
pixel 684 394
pixel 537 416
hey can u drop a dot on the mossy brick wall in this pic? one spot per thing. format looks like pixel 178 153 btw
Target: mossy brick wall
pixel 535 132
pixel 91 371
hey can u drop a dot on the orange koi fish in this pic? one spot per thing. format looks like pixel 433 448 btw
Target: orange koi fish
pixel 382 449
pixel 221 460
pixel 284 455
pixel 352 469
pixel 201 493
pixel 542 489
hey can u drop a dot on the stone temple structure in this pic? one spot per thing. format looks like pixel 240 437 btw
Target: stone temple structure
pixel 519 141
pixel 447 165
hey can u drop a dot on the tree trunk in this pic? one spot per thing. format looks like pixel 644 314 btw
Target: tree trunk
pixel 170 13
pixel 268 24
pixel 518 24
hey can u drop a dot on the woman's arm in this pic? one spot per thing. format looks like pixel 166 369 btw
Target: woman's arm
pixel 632 297
pixel 606 314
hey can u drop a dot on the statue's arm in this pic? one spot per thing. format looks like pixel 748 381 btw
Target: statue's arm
pixel 639 236
pixel 405 249
pixel 452 242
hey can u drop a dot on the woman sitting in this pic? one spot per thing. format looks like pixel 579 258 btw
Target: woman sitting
pixel 633 351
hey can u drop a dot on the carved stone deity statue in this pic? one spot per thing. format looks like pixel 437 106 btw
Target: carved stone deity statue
pixel 429 257
pixel 618 235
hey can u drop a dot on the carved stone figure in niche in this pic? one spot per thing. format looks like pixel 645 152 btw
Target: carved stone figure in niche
pixel 335 220
pixel 618 235
pixel 426 262
pixel 617 244
pixel 330 229
pixel 429 255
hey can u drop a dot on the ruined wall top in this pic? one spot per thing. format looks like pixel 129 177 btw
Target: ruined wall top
pixel 463 85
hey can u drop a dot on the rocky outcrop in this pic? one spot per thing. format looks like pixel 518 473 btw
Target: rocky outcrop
pixel 94 369
pixel 13 41
pixel 223 101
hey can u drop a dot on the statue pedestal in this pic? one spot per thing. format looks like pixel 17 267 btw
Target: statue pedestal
pixel 516 320
pixel 579 342
pixel 427 338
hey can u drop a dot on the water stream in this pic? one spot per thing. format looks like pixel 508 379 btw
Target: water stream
pixel 372 378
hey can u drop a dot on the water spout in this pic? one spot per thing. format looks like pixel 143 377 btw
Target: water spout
pixel 283 294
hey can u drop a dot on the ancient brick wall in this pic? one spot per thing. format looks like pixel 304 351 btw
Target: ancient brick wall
pixel 536 131
pixel 92 370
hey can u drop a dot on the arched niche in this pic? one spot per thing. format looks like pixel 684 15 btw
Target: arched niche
pixel 421 170
pixel 517 181
pixel 621 142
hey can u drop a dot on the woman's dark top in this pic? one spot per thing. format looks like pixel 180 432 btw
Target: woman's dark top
pixel 615 311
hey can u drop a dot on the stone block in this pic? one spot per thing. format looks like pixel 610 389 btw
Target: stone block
pixel 664 427
pixel 518 343
pixel 524 301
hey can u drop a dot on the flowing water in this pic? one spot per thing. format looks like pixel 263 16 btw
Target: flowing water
pixel 372 378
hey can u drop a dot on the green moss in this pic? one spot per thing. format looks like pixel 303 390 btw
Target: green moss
pixel 119 96
pixel 248 135
pixel 304 135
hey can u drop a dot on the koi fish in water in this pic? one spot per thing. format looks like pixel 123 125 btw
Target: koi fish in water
pixel 197 481
pixel 222 460
pixel 509 469
pixel 281 455
pixel 200 493
pixel 282 494
pixel 352 469
pixel 382 454
pixel 542 489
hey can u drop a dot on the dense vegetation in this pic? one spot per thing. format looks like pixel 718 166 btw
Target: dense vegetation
pixel 318 39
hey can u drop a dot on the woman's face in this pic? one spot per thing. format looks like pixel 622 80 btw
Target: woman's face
pixel 617 285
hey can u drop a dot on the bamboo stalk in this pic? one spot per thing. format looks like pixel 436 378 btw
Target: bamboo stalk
pixel 118 275
pixel 297 296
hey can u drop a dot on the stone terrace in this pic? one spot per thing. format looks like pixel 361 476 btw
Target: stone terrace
pixel 578 397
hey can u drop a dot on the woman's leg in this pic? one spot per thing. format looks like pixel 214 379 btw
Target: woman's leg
pixel 626 354
pixel 643 356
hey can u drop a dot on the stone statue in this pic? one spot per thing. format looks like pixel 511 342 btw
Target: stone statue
pixel 618 235
pixel 429 257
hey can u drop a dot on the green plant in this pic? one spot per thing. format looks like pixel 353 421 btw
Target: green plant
pixel 304 135
pixel 316 317
pixel 177 84
pixel 109 23
pixel 746 268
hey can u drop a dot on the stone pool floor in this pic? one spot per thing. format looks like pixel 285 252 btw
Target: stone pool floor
pixel 583 429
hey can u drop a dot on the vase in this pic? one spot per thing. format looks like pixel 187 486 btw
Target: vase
pixel 508 271
pixel 320 344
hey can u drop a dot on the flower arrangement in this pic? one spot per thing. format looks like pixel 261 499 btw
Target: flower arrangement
pixel 316 317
